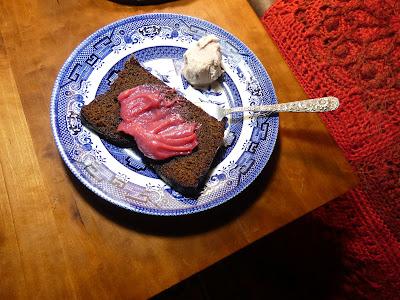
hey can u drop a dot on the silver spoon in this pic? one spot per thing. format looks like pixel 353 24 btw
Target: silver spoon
pixel 311 105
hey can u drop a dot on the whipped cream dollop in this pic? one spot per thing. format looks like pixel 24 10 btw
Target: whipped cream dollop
pixel 203 61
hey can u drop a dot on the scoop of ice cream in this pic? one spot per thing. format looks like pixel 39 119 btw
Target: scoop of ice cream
pixel 202 61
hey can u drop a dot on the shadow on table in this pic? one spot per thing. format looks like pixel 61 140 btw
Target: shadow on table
pixel 303 260
pixel 188 224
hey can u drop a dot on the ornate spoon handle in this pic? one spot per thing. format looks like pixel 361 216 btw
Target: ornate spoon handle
pixel 311 105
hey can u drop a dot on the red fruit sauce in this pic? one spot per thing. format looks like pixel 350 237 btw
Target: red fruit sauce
pixel 148 115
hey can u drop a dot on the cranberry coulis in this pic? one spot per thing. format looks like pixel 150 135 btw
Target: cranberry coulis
pixel 159 131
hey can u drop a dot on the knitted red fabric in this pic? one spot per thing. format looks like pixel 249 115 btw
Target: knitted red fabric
pixel 351 49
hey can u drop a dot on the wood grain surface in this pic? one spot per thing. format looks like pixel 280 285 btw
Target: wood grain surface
pixel 60 241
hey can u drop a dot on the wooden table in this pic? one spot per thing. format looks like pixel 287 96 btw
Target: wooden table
pixel 58 240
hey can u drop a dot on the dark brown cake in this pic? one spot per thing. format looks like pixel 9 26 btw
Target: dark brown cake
pixel 185 174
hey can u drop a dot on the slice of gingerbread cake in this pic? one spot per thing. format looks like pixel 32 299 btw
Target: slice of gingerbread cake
pixel 177 139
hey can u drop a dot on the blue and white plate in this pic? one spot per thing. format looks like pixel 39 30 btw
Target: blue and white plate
pixel 158 42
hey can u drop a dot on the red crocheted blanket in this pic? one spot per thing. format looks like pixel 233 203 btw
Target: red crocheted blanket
pixel 351 49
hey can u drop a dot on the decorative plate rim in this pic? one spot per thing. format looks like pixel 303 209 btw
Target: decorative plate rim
pixel 135 208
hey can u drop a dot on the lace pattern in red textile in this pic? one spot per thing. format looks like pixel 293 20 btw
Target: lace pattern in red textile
pixel 351 49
